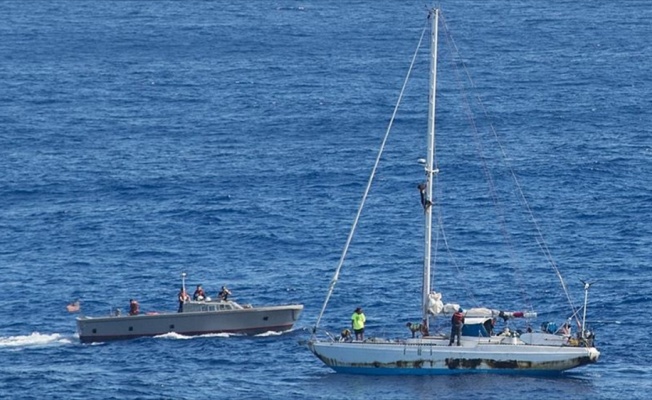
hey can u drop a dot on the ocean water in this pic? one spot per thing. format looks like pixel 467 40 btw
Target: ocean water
pixel 232 140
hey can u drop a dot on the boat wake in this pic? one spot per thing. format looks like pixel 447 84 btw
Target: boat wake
pixel 177 336
pixel 35 340
pixel 221 335
pixel 172 335
pixel 269 333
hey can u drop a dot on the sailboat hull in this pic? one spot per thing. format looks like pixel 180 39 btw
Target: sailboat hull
pixel 435 357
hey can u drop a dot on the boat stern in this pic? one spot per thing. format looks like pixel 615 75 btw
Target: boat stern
pixel 593 355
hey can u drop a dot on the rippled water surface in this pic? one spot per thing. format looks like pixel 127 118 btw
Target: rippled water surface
pixel 232 140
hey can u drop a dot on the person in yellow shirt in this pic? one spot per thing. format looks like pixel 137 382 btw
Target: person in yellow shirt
pixel 357 323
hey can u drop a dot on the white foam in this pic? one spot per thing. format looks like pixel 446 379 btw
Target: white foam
pixel 172 335
pixel 35 339
pixel 222 335
pixel 269 333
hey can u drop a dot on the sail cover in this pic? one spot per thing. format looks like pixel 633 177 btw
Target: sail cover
pixel 436 306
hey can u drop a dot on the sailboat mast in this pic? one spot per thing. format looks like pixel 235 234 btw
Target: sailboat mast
pixel 430 170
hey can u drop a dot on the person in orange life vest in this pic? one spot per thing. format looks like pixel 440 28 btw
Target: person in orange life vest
pixel 457 321
pixel 183 297
pixel 357 323
pixel 134 308
pixel 199 294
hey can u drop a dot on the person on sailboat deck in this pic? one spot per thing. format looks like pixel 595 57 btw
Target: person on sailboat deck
pixel 134 308
pixel 224 293
pixel 457 322
pixel 489 326
pixel 199 294
pixel 357 323
pixel 183 297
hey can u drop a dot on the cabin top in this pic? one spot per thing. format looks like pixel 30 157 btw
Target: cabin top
pixel 211 305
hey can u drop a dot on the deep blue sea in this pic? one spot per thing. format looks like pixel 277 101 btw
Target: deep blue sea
pixel 232 140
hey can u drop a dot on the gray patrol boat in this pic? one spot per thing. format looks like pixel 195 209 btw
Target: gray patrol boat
pixel 195 318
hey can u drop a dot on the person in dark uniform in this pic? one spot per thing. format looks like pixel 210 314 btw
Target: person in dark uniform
pixel 199 294
pixel 224 293
pixel 489 326
pixel 457 322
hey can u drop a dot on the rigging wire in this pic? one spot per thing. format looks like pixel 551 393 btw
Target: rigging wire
pixel 516 262
pixel 369 182
pixel 540 238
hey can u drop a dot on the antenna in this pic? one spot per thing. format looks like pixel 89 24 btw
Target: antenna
pixel 587 285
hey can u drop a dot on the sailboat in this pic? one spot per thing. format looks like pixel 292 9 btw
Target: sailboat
pixel 479 350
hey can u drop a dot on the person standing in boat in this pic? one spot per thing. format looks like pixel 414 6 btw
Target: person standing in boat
pixel 457 322
pixel 224 294
pixel 134 308
pixel 357 323
pixel 199 294
pixel 489 325
pixel 183 297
